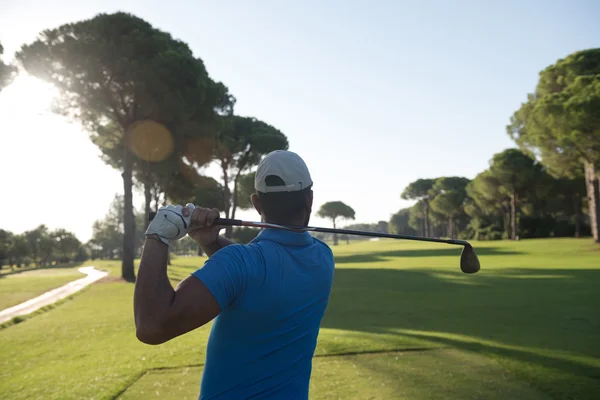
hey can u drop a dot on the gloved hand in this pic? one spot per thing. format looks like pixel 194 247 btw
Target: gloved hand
pixel 170 223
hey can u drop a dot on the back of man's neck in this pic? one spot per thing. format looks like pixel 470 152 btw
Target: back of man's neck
pixel 297 222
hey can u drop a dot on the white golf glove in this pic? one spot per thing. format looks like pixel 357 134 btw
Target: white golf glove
pixel 170 224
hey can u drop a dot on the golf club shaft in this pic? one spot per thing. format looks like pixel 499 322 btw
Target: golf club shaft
pixel 239 222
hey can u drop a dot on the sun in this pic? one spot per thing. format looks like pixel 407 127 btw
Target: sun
pixel 27 96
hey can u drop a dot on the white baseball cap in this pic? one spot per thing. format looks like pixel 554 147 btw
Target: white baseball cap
pixel 286 165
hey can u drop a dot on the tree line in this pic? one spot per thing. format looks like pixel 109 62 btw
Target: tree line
pixel 516 197
pixel 549 185
pixel 41 247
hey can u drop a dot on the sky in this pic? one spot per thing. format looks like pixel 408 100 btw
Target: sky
pixel 373 95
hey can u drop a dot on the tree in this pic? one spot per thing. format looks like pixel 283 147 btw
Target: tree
pixel 568 197
pixel 7 72
pixel 420 190
pixel 517 175
pixel 365 227
pixel 245 189
pixel 399 223
pixel 514 184
pixel 106 240
pixel 438 224
pixel 151 143
pixel 334 210
pixel 107 233
pixel 450 195
pixel 485 202
pixel 185 246
pixel 20 252
pixel 66 243
pixel 244 235
pixel 6 247
pixel 41 245
pixel 568 189
pixel 191 187
pixel 240 146
pixel 175 176
pixel 416 218
pixel 560 121
pixel 383 227
pixel 188 186
pixel 115 70
pixel 82 253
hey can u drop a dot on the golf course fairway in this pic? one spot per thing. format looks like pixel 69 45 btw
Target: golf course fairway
pixel 403 323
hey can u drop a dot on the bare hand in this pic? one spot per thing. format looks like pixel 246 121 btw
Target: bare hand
pixel 202 228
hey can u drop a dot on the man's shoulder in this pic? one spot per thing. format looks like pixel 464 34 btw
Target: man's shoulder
pixel 258 245
pixel 236 258
pixel 238 252
pixel 324 245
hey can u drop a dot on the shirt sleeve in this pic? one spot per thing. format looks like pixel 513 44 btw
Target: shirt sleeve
pixel 224 274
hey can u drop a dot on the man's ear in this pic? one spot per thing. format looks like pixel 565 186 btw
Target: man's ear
pixel 255 203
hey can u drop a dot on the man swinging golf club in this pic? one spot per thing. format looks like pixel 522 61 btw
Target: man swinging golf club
pixel 267 298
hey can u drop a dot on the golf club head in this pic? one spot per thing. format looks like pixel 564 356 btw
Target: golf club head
pixel 469 263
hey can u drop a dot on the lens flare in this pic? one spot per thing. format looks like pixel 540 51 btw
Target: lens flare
pixel 150 141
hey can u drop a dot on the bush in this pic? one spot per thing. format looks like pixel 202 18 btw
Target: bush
pixel 536 227
pixel 563 229
pixel 82 254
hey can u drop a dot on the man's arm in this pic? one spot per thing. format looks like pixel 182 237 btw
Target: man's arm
pixel 162 313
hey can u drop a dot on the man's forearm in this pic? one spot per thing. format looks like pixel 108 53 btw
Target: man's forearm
pixel 153 292
pixel 217 245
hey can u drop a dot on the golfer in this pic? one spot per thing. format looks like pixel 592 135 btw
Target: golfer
pixel 267 298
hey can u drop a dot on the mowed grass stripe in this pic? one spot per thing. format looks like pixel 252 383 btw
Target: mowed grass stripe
pixel 532 308
pixel 448 374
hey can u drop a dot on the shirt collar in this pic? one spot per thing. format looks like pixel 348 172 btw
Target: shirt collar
pixel 285 237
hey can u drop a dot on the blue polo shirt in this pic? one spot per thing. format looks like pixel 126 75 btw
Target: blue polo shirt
pixel 273 293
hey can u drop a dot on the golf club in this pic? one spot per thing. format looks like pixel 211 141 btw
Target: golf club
pixel 469 263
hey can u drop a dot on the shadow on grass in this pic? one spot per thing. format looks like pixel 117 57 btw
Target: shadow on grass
pixel 4 273
pixel 542 317
pixel 529 355
pixel 449 252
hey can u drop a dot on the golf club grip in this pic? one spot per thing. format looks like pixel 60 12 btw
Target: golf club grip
pixel 228 221
pixel 218 221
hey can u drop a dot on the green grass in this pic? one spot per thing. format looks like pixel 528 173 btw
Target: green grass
pixel 526 326
pixel 431 375
pixel 17 287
